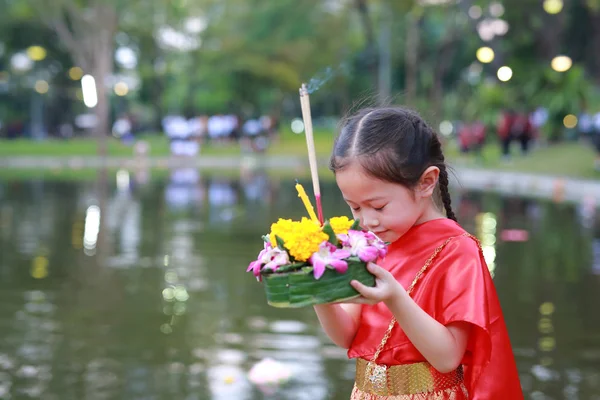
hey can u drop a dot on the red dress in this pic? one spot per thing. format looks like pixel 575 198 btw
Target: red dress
pixel 456 287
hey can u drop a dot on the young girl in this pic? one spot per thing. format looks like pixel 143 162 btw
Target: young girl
pixel 432 327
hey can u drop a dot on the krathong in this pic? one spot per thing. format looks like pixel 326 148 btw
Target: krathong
pixel 313 261
pixel 303 263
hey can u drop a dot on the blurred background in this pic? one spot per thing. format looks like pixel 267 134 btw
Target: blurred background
pixel 145 146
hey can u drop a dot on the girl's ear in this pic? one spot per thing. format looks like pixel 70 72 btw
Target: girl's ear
pixel 428 181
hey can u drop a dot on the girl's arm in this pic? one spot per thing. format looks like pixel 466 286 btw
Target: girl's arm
pixel 442 346
pixel 339 321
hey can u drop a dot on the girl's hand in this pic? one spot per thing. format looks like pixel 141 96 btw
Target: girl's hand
pixel 386 287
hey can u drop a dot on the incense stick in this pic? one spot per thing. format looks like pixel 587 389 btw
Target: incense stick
pixel 310 144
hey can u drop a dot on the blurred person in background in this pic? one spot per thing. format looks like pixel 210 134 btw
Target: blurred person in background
pixel 504 131
pixel 465 137
pixel 122 129
pixel 256 139
pixel 522 130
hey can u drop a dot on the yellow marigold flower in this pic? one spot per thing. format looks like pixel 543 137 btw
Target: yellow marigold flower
pixel 340 224
pixel 280 228
pixel 301 238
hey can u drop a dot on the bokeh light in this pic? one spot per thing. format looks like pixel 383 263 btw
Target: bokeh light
pixel 39 267
pixel 41 87
pixel 75 73
pixel 36 53
pixel 561 63
pixel 485 55
pixel 486 29
pixel 21 62
pixel 570 121
pixel 168 294
pixel 553 6
pixel 121 89
pixel 500 27
pixel 505 73
pixel 88 86
pixel 475 12
pixel 297 126
pixel 446 128
pixel 546 308
pixel 496 10
pixel 91 229
pixel 486 232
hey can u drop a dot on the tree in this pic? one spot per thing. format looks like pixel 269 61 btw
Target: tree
pixel 87 31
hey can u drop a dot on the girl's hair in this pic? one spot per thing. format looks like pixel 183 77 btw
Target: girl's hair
pixel 392 144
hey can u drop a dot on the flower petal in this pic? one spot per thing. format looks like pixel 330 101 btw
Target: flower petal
pixel 341 253
pixel 339 265
pixel 368 254
pixel 318 265
pixel 344 239
pixel 255 267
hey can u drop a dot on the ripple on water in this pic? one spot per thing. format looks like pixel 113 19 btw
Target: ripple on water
pixel 287 327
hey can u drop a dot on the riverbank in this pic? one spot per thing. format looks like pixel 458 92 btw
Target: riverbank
pixel 569 160
pixel 464 176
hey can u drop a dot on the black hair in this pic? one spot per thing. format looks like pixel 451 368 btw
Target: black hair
pixel 392 144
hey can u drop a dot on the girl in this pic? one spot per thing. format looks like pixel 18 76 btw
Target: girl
pixel 432 327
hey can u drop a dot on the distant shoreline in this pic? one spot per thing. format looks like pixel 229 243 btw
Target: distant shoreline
pixel 479 179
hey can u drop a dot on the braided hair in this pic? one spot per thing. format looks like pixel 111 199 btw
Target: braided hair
pixel 393 144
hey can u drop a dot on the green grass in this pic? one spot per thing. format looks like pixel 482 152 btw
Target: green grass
pixel 87 174
pixel 570 159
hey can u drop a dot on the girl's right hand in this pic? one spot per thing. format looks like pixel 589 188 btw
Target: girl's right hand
pixel 386 288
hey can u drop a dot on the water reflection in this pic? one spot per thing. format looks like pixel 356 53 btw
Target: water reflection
pixel 167 311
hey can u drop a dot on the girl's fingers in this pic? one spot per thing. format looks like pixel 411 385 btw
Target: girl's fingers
pixel 376 270
pixel 365 291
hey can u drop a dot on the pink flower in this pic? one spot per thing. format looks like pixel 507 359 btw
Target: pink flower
pixel 364 245
pixel 330 255
pixel 379 244
pixel 269 372
pixel 271 258
pixel 277 258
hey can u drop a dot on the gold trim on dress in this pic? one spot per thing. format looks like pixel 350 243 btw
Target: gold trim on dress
pixel 406 379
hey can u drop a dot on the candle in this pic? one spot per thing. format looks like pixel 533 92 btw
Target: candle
pixel 307 204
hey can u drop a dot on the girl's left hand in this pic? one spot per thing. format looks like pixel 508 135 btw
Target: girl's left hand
pixel 386 287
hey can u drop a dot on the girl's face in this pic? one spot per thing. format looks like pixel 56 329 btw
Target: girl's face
pixel 387 209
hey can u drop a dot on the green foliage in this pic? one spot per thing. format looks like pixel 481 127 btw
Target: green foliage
pixel 253 55
pixel 327 229
pixel 280 243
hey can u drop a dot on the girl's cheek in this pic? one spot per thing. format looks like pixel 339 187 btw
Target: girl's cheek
pixel 356 215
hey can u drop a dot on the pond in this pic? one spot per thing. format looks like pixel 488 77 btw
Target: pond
pixel 134 287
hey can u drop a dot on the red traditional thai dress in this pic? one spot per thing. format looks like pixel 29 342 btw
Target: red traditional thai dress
pixel 456 286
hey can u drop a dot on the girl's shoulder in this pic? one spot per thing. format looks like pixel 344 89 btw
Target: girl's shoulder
pixel 461 255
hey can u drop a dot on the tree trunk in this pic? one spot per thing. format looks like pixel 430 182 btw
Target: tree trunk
pixel 445 55
pixel 102 71
pixel 88 35
pixel 370 52
pixel 412 54
pixel 385 58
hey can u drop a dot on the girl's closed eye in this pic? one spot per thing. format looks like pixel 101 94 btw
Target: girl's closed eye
pixel 379 208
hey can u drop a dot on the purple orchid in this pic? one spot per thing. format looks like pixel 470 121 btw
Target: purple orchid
pixel 271 258
pixel 365 245
pixel 328 254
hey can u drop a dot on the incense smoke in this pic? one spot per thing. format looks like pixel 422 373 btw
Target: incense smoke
pixel 324 76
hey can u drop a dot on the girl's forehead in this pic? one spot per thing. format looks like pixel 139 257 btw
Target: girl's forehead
pixel 360 187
